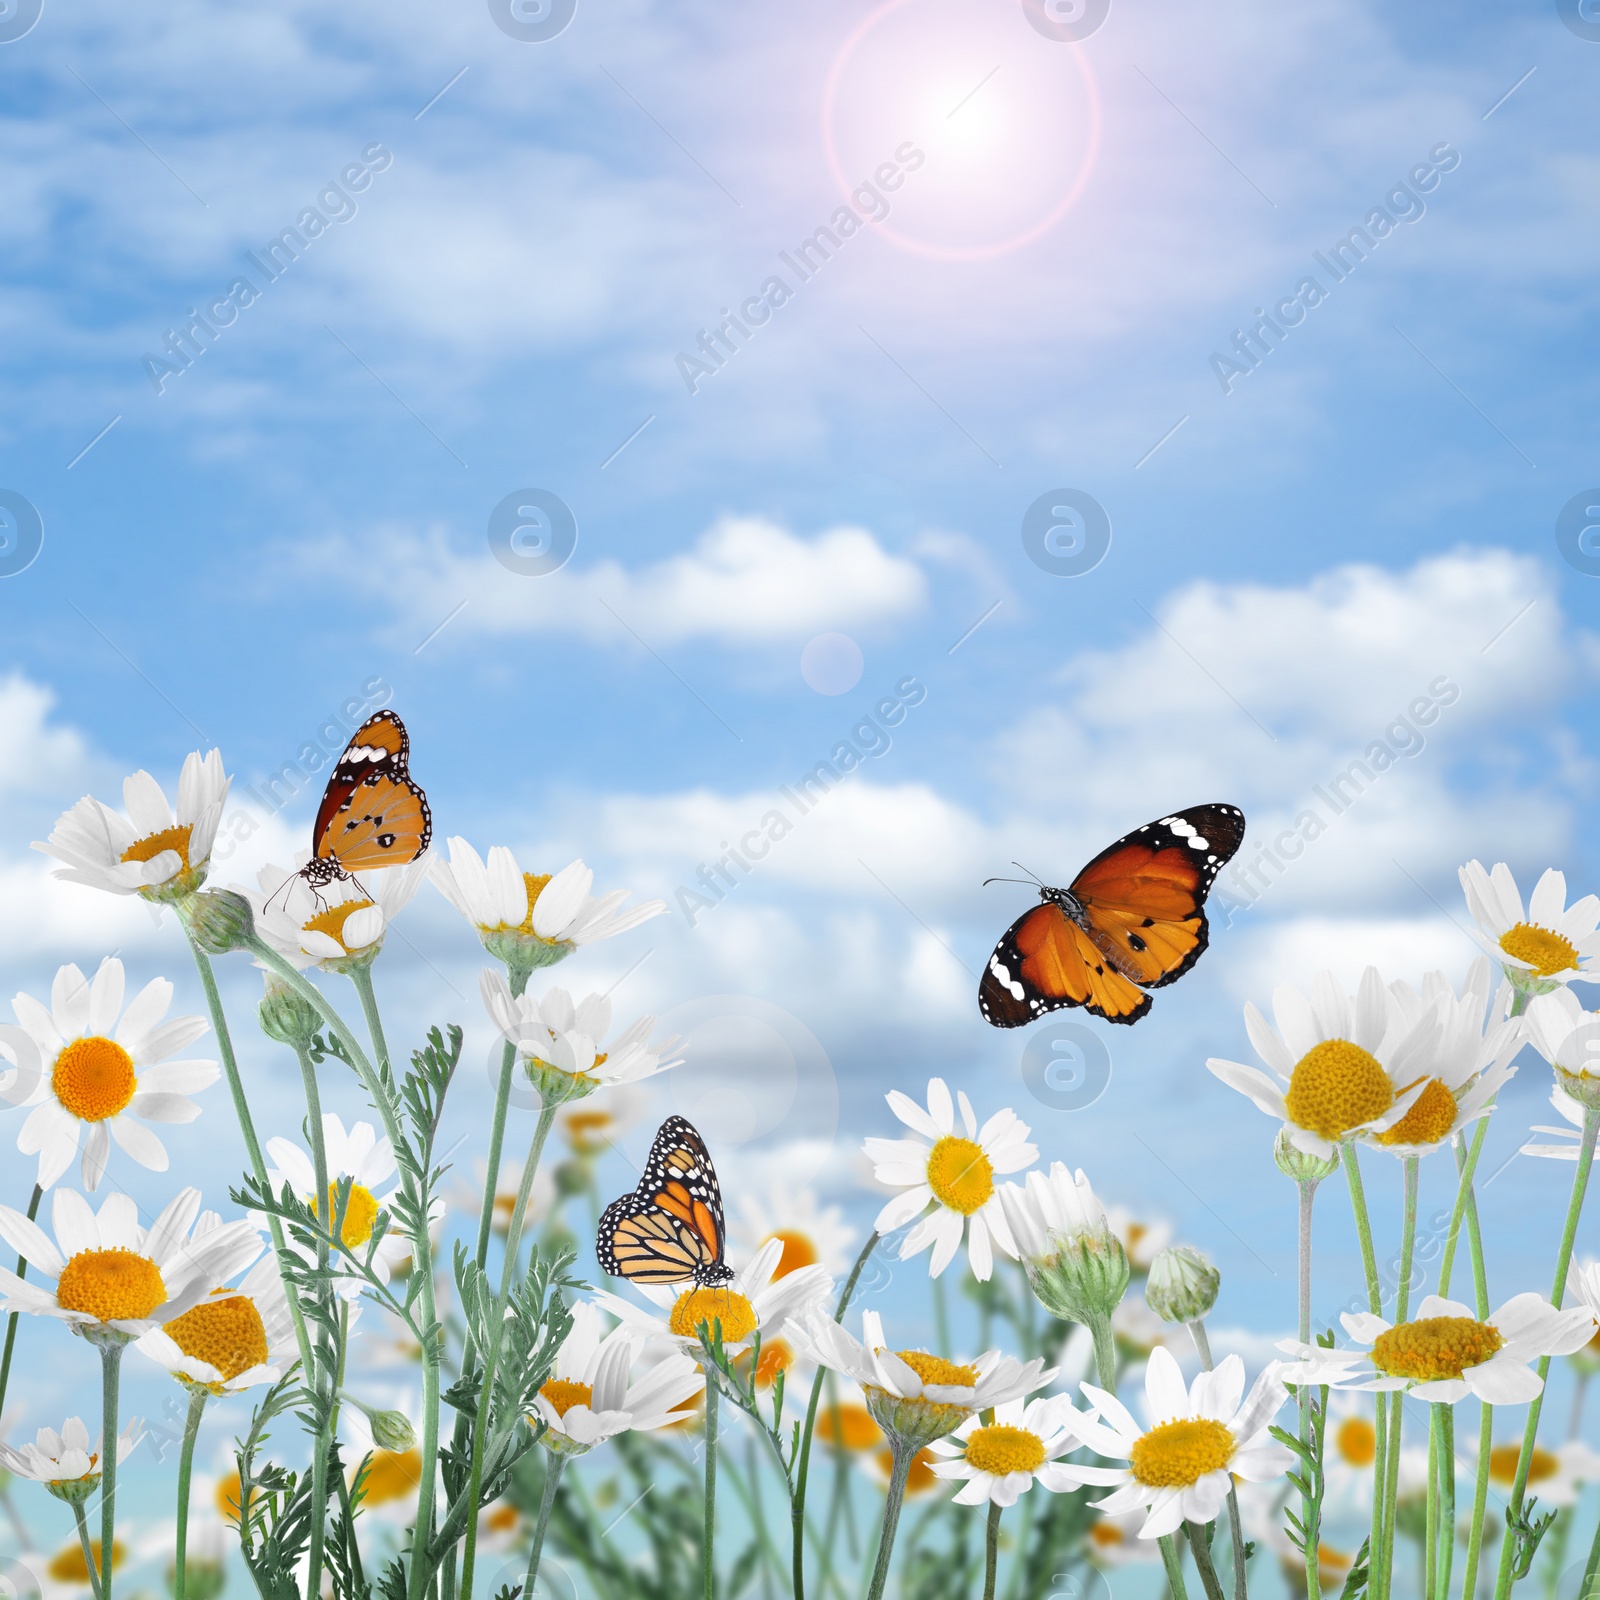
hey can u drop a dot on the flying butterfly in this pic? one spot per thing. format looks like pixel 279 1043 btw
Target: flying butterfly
pixel 670 1229
pixel 1133 919
pixel 373 813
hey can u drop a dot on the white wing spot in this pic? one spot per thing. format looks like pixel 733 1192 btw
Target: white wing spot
pixel 1017 991
pixel 1198 843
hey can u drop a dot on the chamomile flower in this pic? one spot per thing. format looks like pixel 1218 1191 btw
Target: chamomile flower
pixel 954 1173
pixel 528 919
pixel 368 1162
pixel 1352 1448
pixel 65 1463
pixel 1570 1137
pixel 339 926
pixel 809 1232
pixel 560 1041
pixel 1000 1461
pixel 1339 1067
pixel 1568 1037
pixel 1115 1542
pixel 593 1395
pixel 592 1128
pixel 1472 1045
pixel 105 1072
pixel 1557 1476
pixel 155 850
pixel 1445 1353
pixel 916 1397
pixel 755 1300
pixel 1551 945
pixel 115 1279
pixel 238 1339
pixel 1199 1438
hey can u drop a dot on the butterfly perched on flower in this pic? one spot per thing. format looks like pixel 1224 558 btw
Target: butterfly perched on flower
pixel 1133 919
pixel 670 1229
pixel 373 813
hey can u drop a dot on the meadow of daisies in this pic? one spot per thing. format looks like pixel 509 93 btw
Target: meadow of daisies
pixel 763 1435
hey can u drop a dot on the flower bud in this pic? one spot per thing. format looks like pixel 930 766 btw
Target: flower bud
pixel 286 1014
pixel 1182 1286
pixel 1084 1280
pixel 1301 1165
pixel 219 920
pixel 391 1430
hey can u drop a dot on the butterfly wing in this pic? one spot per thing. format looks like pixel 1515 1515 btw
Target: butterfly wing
pixel 373 814
pixel 1143 924
pixel 670 1229
pixel 1144 896
pixel 1045 963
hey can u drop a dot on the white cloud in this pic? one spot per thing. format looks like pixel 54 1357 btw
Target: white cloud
pixel 745 581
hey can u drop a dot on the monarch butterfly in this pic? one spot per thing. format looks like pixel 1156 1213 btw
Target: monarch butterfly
pixel 669 1230
pixel 1133 920
pixel 373 814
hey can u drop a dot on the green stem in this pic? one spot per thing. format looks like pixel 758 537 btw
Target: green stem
pixel 11 1321
pixel 1383 1569
pixel 1447 1497
pixel 110 1387
pixel 1466 1165
pixel 480 1423
pixel 252 1145
pixel 555 1466
pixel 88 1548
pixel 1203 1563
pixel 1202 1344
pixel 1480 1502
pixel 991 1550
pixel 1580 1184
pixel 903 1454
pixel 1105 1353
pixel 1309 1512
pixel 1590 1571
pixel 497 1136
pixel 1369 1262
pixel 422 1265
pixel 191 1428
pixel 797 1504
pixel 1430 1537
pixel 1174 1565
pixel 708 1552
pixel 319 1375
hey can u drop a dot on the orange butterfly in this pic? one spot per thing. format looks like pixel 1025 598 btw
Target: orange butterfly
pixel 373 814
pixel 669 1230
pixel 1133 920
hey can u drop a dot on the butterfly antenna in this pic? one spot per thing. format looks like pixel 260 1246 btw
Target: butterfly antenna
pixel 1030 880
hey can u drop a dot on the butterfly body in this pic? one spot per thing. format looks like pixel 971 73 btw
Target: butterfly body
pixel 1132 920
pixel 373 813
pixel 670 1229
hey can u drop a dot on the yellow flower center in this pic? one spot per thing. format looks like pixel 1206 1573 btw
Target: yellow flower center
pixel 564 1395
pixel 1503 1461
pixel 960 1174
pixel 849 1427
pixel 360 1212
pixel 331 920
pixel 68 1565
pixel 1001 1450
pixel 585 1130
pixel 393 1475
pixel 1430 1119
pixel 1176 1455
pixel 776 1357
pixel 535 882
pixel 111 1285
pixel 502 1519
pixel 227 1334
pixel 1546 951
pixel 228 1497
pixel 936 1370
pixel 1434 1348
pixel 1105 1535
pixel 1356 1441
pixel 728 1306
pixel 153 844
pixel 1337 1086
pixel 798 1251
pixel 93 1078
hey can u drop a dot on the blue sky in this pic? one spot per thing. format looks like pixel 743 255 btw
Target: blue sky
pixel 528 235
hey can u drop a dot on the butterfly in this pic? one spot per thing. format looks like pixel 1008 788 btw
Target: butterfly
pixel 373 814
pixel 1133 919
pixel 670 1229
